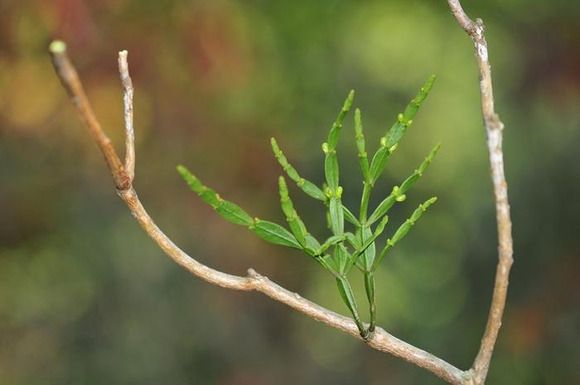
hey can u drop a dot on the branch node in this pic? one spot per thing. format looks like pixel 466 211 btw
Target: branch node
pixel 253 274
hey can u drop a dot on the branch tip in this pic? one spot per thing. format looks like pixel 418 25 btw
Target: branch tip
pixel 57 46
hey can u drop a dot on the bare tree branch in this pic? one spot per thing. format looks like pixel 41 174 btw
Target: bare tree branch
pixel 123 177
pixel 70 80
pixel 494 128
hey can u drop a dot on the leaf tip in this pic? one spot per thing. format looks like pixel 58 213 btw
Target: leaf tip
pixel 348 101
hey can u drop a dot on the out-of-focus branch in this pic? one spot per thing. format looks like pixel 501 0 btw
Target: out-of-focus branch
pixel 123 177
pixel 494 128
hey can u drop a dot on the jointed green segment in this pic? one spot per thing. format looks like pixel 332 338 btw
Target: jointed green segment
pixel 343 249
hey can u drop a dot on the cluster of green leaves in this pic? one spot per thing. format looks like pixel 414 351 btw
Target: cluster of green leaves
pixel 343 250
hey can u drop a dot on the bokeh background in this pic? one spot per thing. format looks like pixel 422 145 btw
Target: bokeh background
pixel 87 298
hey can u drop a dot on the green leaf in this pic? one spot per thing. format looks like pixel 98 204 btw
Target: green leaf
pixel 378 163
pixel 311 189
pixel 331 241
pixel 354 240
pixel 367 251
pixel 308 187
pixel 347 295
pixel 296 225
pixel 360 144
pixel 274 233
pixel 398 193
pixel 349 216
pixel 367 248
pixel 312 246
pixel 406 185
pixel 403 230
pixel 334 133
pixel 404 120
pixel 234 213
pixel 328 263
pixel 228 210
pixel 194 183
pixel 382 208
pixel 331 169
pixel 210 197
pixel 336 216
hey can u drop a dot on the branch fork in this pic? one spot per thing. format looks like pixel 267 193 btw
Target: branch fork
pixel 123 173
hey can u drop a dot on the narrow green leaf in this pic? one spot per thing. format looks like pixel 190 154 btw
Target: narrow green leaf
pixel 342 258
pixel 382 208
pixel 367 248
pixel 274 233
pixel 234 213
pixel 421 209
pixel 194 183
pixel 404 120
pixel 228 210
pixel 331 241
pixel 406 185
pixel 398 193
pixel 429 159
pixel 349 216
pixel 397 130
pixel 312 245
pixel 328 263
pixel 410 181
pixel 412 108
pixel 347 295
pixel 360 144
pixel 354 240
pixel 311 189
pixel 308 187
pixel 334 133
pixel 331 170
pixel 378 163
pixel 367 252
pixel 404 229
pixel 296 225
pixel 210 197
pixel 336 216
pixel 406 226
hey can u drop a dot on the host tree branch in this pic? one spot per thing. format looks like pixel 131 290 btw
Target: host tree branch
pixel 123 175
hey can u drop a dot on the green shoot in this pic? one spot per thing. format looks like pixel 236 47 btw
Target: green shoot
pixel 344 248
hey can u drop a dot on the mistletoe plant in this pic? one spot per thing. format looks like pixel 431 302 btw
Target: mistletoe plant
pixel 343 249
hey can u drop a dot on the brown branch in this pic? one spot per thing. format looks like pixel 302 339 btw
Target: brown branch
pixel 379 339
pixel 70 81
pixel 494 129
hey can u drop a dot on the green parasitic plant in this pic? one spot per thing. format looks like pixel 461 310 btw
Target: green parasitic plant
pixel 343 249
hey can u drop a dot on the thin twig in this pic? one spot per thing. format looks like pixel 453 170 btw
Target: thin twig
pixel 70 81
pixel 494 128
pixel 128 104
pixel 379 339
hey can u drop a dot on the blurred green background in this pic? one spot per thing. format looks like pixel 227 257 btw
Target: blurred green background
pixel 87 298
